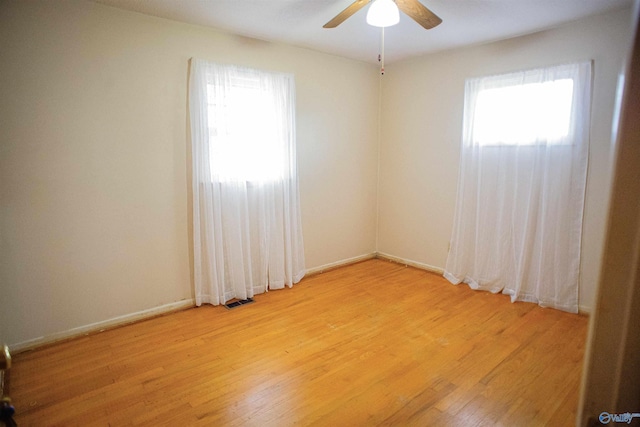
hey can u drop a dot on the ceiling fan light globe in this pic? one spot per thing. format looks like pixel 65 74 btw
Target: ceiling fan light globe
pixel 383 13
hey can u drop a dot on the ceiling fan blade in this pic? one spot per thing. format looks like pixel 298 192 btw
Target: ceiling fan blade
pixel 419 13
pixel 342 16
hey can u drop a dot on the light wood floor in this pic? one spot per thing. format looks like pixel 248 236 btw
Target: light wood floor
pixel 375 343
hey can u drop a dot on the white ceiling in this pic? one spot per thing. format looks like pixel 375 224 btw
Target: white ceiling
pixel 299 22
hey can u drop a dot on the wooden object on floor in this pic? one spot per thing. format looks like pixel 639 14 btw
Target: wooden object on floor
pixel 5 358
pixel 6 408
pixel 368 344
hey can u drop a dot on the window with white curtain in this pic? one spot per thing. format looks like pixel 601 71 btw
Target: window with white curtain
pixel 521 185
pixel 247 230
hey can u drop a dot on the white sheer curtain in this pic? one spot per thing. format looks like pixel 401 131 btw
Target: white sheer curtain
pixel 521 185
pixel 246 209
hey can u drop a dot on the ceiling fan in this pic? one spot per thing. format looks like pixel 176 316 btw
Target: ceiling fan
pixel 413 8
pixel 384 13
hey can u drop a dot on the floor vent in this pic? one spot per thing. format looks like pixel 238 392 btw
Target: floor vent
pixel 238 303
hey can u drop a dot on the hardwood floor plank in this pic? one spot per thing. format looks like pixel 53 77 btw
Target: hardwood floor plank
pixel 374 343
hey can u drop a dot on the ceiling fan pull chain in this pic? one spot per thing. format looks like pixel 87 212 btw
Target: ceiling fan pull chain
pixel 381 56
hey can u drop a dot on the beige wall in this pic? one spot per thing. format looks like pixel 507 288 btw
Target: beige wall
pixel 422 126
pixel 94 177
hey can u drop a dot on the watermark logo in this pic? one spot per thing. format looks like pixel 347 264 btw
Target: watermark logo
pixel 627 417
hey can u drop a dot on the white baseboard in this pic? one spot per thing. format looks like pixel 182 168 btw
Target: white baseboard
pixel 101 326
pixel 381 255
pixel 411 263
pixel 341 263
pixel 584 310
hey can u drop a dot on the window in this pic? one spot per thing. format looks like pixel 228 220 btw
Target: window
pixel 245 142
pixel 524 114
